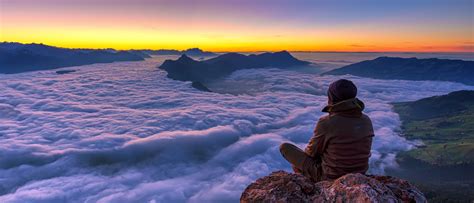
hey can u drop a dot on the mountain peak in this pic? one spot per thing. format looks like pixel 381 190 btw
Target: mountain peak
pixel 186 68
pixel 197 52
pixel 185 58
pixel 282 52
pixel 194 49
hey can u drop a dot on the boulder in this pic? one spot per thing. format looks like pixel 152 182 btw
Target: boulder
pixel 281 186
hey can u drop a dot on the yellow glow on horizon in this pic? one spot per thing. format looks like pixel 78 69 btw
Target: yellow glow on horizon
pixel 120 38
pixel 226 26
pixel 82 31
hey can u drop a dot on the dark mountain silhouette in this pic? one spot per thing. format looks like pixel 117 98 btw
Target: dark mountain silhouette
pixel 187 69
pixel 17 57
pixel 161 51
pixel 140 53
pixel 200 86
pixel 411 69
pixel 196 52
pixel 61 72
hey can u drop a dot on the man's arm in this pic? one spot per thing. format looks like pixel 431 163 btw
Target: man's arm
pixel 315 146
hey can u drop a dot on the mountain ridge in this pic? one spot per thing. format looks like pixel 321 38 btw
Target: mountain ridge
pixel 18 57
pixel 188 69
pixel 196 52
pixel 411 69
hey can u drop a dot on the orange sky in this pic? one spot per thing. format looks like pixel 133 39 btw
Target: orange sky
pixel 298 25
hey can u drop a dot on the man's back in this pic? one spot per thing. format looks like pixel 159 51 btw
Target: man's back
pixel 341 141
pixel 348 144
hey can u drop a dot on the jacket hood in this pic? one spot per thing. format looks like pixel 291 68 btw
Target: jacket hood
pixel 350 105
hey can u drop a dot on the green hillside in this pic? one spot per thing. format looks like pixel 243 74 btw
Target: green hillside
pixel 442 167
pixel 445 124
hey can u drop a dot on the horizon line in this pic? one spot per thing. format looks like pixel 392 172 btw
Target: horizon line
pixel 228 51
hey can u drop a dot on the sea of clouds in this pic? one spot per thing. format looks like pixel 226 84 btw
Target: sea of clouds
pixel 123 132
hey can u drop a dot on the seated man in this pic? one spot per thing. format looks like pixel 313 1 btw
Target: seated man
pixel 341 142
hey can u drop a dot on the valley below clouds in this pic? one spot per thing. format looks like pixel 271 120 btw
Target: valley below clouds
pixel 124 132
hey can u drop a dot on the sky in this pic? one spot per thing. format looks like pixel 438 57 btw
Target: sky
pixel 243 25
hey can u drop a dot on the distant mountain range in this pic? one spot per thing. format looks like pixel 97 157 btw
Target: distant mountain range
pixel 17 57
pixel 195 52
pixel 187 69
pixel 411 69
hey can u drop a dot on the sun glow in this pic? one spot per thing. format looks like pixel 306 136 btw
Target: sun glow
pixel 219 27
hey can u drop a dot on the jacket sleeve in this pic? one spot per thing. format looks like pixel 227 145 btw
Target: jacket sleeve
pixel 316 143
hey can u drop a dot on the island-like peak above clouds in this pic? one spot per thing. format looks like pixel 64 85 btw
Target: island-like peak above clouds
pixel 17 57
pixel 412 69
pixel 185 59
pixel 198 52
pixel 187 69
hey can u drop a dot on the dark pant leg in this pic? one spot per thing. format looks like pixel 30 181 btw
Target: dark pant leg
pixel 293 154
pixel 300 161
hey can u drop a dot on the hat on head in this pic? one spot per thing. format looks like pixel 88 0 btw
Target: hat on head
pixel 341 90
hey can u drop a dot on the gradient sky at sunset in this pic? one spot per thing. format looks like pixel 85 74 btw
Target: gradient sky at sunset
pixel 297 25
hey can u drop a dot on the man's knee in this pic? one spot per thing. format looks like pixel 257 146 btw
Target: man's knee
pixel 284 147
pixel 294 155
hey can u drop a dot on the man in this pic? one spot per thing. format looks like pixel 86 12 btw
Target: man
pixel 341 142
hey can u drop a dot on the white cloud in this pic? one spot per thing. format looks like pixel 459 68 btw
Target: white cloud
pixel 124 132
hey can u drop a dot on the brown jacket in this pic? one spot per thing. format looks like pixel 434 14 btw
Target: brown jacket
pixel 342 140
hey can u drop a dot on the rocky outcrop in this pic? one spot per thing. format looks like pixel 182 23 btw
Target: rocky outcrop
pixel 281 186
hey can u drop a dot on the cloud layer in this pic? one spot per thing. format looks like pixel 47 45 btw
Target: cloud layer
pixel 123 132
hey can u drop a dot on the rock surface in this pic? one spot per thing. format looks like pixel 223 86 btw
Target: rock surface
pixel 281 186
